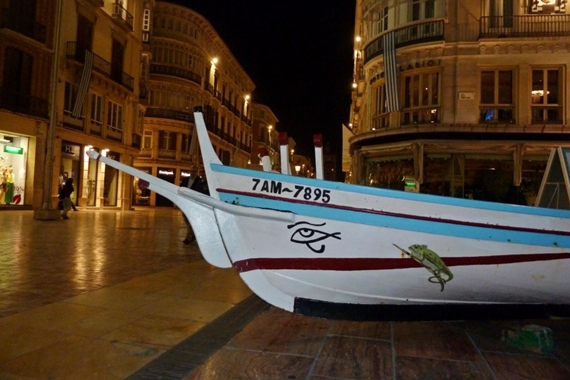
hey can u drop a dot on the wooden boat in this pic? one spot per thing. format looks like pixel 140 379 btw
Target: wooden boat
pixel 333 249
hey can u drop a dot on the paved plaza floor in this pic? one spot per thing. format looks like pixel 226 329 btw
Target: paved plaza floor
pixel 116 295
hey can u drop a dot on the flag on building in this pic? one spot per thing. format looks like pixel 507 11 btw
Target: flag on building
pixel 346 158
pixel 83 84
pixel 391 72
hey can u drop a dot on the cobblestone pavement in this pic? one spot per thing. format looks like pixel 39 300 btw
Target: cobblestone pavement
pixel 47 261
pixel 116 295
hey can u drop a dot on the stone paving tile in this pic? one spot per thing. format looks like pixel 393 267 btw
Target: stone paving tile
pixel 108 293
pixel 42 262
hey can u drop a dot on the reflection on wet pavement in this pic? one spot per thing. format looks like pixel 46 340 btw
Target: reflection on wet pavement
pixel 47 261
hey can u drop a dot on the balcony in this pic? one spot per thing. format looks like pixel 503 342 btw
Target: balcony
pixel 22 103
pixel 120 12
pixel 114 134
pixel 100 65
pixel 95 127
pixel 145 153
pixel 175 72
pixel 164 113
pixel 28 28
pixel 167 154
pixel 98 3
pixel 226 137
pixel 524 26
pixel 72 122
pixel 427 31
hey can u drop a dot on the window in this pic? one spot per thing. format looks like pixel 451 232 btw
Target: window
pixel 380 118
pixel 69 98
pixel 422 9
pixel 421 98
pixel 546 102
pixel 96 110
pixel 147 140
pixel 186 140
pixel 548 6
pixel 501 12
pixel 382 24
pixel 496 104
pixel 114 117
pixel 167 140
pixel 140 122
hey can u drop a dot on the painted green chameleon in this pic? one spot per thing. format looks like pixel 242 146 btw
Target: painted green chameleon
pixel 431 261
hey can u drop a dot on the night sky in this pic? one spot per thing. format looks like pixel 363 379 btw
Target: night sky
pixel 298 54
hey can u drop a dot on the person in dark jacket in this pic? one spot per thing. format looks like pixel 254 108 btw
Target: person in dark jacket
pixel 65 197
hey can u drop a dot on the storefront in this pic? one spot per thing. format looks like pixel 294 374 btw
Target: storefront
pixel 184 174
pixel 13 161
pixel 70 166
pixel 141 196
pixel 168 175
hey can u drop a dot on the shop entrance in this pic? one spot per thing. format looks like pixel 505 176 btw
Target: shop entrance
pixel 69 167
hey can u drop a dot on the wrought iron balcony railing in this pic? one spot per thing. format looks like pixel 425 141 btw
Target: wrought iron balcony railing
pixel 179 72
pixel 524 26
pixel 22 103
pixel 120 12
pixel 165 113
pixel 31 29
pixel 100 65
pixel 417 33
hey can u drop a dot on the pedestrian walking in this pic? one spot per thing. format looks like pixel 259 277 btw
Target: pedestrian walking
pixel 65 197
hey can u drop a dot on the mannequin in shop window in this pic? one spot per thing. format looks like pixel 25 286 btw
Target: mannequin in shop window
pixel 3 184
pixel 9 195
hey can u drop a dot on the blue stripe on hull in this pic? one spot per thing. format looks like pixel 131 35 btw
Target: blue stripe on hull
pixel 429 227
pixel 395 194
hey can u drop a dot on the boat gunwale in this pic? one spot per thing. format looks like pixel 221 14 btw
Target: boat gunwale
pixel 395 194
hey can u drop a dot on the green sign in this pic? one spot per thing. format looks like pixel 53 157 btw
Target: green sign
pixel 13 149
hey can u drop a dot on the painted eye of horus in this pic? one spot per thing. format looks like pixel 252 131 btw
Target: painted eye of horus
pixel 305 234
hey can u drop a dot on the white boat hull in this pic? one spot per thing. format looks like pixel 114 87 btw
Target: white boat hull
pixel 296 240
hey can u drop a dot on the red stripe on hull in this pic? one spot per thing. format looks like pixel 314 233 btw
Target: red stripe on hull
pixel 360 264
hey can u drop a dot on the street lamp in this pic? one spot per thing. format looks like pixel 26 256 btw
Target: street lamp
pixel 297 168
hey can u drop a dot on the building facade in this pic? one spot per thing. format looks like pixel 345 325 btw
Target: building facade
pixel 466 98
pixel 191 66
pixel 26 45
pixel 99 97
pixel 264 135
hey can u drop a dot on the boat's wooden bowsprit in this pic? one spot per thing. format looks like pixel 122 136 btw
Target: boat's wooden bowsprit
pixel 200 215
